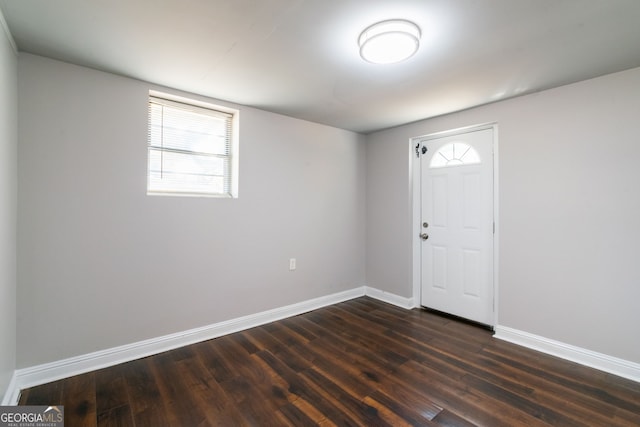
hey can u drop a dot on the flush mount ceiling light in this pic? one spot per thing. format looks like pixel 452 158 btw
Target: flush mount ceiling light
pixel 390 41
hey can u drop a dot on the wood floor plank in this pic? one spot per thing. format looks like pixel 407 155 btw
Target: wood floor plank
pixel 178 393
pixel 265 340
pixel 285 335
pixel 394 389
pixel 120 416
pixel 46 394
pixel 294 323
pixel 301 386
pixel 358 378
pixel 471 404
pixel 548 393
pixel 112 398
pixel 298 417
pixel 410 411
pixel 111 389
pixel 350 405
pixel 145 399
pixel 498 378
pixel 449 419
pixel 309 410
pixel 357 363
pixel 79 400
pixel 211 357
pixel 590 398
pixel 219 408
pixel 526 405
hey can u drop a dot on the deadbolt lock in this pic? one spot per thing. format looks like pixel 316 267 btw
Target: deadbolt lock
pixel 425 224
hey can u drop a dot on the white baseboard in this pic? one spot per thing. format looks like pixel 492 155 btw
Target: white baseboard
pixel 12 394
pixel 53 371
pixel 42 374
pixel 603 362
pixel 390 298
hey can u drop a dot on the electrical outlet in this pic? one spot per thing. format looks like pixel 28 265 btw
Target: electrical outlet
pixel 292 264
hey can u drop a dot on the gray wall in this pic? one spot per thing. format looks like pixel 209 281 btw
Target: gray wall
pixel 8 208
pixel 102 264
pixel 569 205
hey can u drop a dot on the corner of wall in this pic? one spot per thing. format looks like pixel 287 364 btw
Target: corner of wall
pixel 8 210
pixel 12 395
pixel 391 298
pixel 7 32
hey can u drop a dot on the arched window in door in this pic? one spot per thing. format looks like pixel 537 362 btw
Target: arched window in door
pixel 455 154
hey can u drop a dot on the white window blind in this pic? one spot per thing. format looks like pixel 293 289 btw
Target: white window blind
pixel 189 149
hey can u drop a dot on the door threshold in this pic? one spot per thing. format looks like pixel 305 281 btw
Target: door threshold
pixel 458 318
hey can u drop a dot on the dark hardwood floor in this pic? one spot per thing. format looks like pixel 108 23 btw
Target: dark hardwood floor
pixel 358 363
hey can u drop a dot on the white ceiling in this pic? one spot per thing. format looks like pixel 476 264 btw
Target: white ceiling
pixel 300 57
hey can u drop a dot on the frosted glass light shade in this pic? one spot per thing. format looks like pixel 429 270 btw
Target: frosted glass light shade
pixel 390 41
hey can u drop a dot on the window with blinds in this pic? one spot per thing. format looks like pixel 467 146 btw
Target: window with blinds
pixel 190 149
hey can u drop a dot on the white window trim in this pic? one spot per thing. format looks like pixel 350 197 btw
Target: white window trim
pixel 234 158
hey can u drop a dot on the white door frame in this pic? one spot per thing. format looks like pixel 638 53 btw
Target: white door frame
pixel 416 242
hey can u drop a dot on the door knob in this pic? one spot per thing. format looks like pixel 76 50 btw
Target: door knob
pixel 424 236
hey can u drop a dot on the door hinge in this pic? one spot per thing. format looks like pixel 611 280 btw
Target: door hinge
pixel 494 228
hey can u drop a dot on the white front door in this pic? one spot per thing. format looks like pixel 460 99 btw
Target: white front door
pixel 457 225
